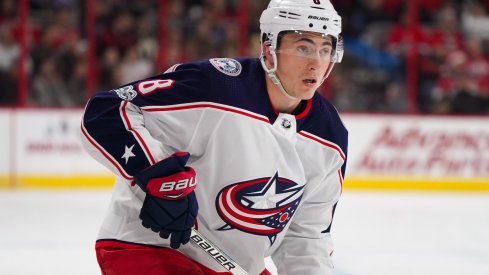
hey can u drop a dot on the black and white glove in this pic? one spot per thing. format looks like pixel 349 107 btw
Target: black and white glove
pixel 170 206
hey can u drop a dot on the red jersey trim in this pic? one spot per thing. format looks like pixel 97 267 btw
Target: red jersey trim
pixel 324 142
pixel 203 105
pixel 137 136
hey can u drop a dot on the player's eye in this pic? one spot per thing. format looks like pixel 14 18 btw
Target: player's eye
pixel 325 52
pixel 305 51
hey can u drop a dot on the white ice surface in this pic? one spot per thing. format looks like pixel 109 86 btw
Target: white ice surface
pixel 53 232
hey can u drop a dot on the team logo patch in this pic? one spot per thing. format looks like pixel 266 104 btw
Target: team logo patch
pixel 227 66
pixel 127 93
pixel 261 206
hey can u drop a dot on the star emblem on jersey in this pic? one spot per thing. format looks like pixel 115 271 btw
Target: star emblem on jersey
pixel 261 206
pixel 128 153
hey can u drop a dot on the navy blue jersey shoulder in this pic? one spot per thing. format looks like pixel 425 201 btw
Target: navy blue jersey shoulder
pixel 188 83
pixel 324 121
pixel 238 83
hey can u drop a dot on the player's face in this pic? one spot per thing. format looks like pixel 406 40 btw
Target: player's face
pixel 303 59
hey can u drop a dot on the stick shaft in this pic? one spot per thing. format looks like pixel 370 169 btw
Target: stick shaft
pixel 216 253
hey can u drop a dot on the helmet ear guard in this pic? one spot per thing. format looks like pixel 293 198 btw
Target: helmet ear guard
pixel 338 46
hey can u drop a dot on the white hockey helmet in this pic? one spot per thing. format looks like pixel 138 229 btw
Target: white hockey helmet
pixel 318 16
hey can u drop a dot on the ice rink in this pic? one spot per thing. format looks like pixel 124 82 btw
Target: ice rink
pixel 376 233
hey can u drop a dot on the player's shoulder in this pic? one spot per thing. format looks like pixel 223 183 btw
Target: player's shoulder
pixel 329 112
pixel 329 125
pixel 226 67
pixel 228 78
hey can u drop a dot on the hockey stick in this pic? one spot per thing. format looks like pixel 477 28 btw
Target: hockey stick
pixel 217 254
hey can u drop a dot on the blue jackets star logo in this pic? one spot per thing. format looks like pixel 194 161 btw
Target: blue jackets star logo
pixel 128 153
pixel 261 206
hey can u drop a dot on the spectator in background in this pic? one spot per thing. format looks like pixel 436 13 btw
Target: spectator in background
pixel 67 54
pixel 229 45
pixel 473 96
pixel 134 67
pixel 121 32
pixel 211 28
pixel 478 63
pixel 202 46
pixel 9 49
pixel 76 84
pixel 175 54
pixel 366 12
pixel 57 59
pixel 457 90
pixel 446 36
pixel 45 48
pixel 48 87
pixel 108 64
pixel 475 19
pixel 9 55
pixel 8 80
pixel 400 38
pixel 147 43
pixel 443 38
pixel 8 11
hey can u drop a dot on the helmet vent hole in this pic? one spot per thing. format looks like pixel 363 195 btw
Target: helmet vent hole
pixel 324 27
pixel 310 25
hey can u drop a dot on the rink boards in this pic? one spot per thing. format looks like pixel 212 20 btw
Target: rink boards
pixel 41 149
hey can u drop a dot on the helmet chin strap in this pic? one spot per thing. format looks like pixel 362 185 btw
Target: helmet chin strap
pixel 273 76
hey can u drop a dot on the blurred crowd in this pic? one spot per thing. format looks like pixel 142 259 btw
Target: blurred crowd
pixel 450 46
pixel 449 49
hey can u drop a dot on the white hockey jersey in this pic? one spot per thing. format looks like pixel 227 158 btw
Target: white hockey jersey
pixel 267 182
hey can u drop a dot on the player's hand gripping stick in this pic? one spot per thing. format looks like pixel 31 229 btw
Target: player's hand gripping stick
pixel 170 206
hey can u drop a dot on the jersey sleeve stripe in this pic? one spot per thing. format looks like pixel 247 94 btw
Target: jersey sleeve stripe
pixel 137 136
pixel 204 105
pixel 340 177
pixel 324 142
pixel 99 148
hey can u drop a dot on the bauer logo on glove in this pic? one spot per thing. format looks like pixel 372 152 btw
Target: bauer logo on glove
pixel 170 206
pixel 174 186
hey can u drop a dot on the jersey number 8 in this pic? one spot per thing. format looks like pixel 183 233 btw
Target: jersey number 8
pixel 151 86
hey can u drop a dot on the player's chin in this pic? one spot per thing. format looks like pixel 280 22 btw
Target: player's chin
pixel 307 94
pixel 303 92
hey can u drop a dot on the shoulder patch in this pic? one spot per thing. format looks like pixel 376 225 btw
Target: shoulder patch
pixel 126 93
pixel 227 66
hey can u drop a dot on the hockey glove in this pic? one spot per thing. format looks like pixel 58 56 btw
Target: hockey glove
pixel 170 206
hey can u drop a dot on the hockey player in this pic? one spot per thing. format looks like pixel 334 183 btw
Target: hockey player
pixel 244 150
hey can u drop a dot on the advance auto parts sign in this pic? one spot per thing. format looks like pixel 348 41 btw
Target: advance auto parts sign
pixel 410 146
